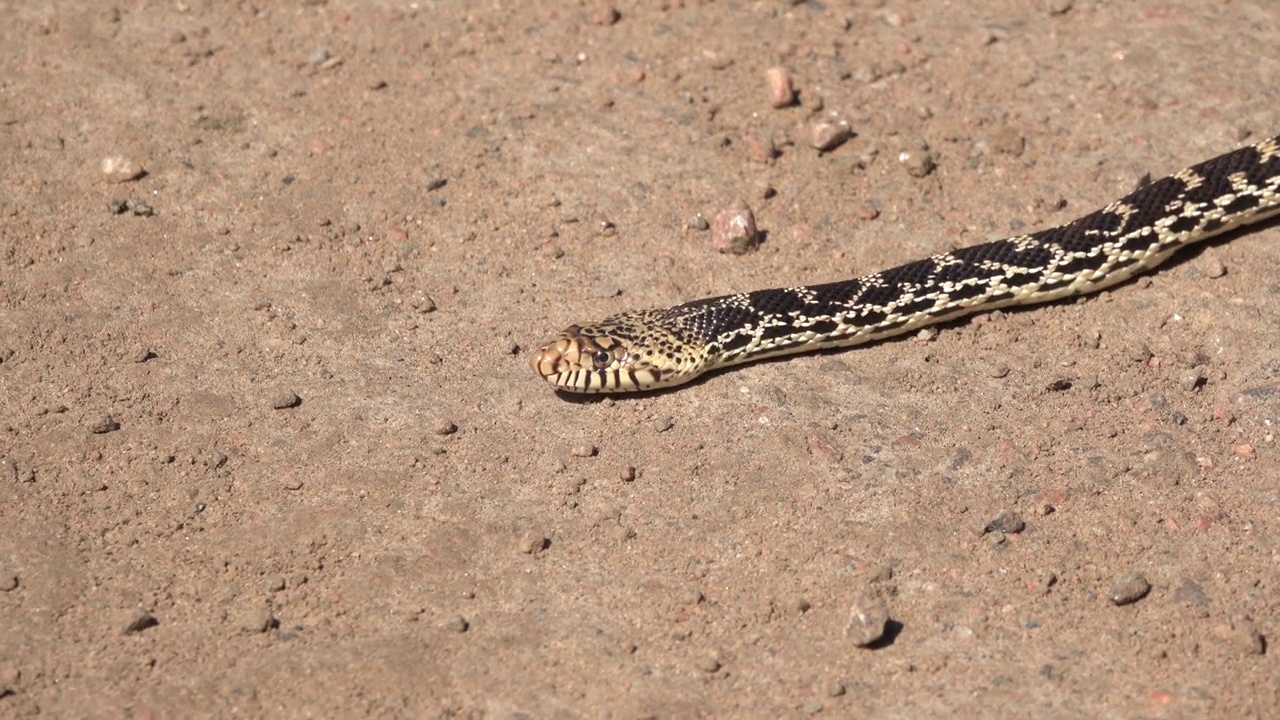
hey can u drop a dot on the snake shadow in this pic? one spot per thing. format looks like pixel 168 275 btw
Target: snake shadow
pixel 1182 257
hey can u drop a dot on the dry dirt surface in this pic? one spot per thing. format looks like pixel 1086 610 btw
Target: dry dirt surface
pixel 270 274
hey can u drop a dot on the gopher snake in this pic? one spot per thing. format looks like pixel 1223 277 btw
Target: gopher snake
pixel 649 349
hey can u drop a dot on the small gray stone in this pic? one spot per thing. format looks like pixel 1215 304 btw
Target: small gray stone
pixel 830 135
pixel 1190 594
pixel 1244 635
pixel 140 207
pixel 868 618
pixel 1129 589
pixel 1008 521
pixel 533 542
pixel 8 469
pixel 605 14
pixel 103 424
pixel 141 621
pixel 917 158
pixel 456 623
pixel 285 399
pixel 422 303
pixel 258 620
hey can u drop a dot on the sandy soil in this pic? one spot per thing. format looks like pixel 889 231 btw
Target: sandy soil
pixel 271 445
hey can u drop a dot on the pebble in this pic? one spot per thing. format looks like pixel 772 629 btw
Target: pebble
pixel 532 542
pixel 1129 589
pixel 120 169
pixel 1193 379
pixel 584 451
pixel 444 426
pixel 456 623
pixel 605 14
pixel 782 91
pixel 628 474
pixel 1189 594
pixel 1058 7
pixel 759 149
pixel 258 620
pixel 140 354
pixel 699 223
pixel 423 303
pixel 1213 267
pixel 881 573
pixel 868 617
pixel 139 207
pixel 866 211
pixel 835 688
pixel 285 399
pixel 663 424
pixel 709 663
pixel 1008 521
pixel 830 135
pixel 1243 635
pixel 917 158
pixel 8 579
pixel 103 424
pixel 734 231
pixel 1008 141
pixel 997 371
pixel 140 622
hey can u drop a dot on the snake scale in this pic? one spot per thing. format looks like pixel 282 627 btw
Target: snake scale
pixel 651 349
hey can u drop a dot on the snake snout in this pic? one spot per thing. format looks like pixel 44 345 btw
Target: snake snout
pixel 549 360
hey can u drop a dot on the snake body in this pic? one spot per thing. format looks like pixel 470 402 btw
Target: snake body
pixel 651 349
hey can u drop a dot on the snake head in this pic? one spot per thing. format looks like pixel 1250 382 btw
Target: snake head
pixel 607 357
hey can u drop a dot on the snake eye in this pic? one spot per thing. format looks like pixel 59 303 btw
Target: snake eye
pixel 602 358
